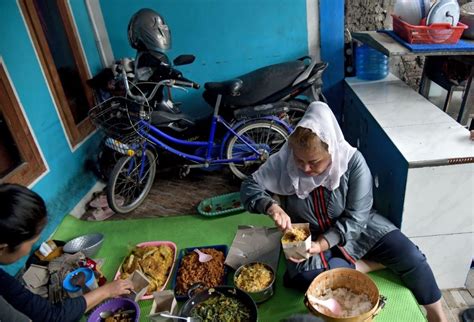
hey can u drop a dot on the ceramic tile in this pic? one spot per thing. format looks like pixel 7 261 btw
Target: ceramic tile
pixel 427 143
pixel 439 200
pixel 388 90
pixel 405 112
pixel 449 257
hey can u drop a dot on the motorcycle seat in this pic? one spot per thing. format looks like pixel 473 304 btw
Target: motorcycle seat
pixel 161 117
pixel 256 85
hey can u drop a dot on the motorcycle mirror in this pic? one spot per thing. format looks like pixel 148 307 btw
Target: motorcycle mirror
pixel 183 60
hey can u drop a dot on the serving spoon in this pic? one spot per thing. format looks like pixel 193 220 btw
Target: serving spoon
pixel 188 319
pixel 330 304
pixel 203 257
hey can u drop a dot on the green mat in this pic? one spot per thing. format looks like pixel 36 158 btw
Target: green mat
pixel 189 231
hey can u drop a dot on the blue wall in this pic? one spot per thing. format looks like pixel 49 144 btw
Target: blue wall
pixel 67 180
pixel 228 38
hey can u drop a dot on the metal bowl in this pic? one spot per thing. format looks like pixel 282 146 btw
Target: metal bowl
pixel 262 295
pixel 88 244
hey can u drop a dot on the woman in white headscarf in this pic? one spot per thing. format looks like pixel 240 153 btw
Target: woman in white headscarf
pixel 321 180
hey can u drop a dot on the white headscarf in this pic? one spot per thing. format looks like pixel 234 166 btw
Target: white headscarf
pixel 280 173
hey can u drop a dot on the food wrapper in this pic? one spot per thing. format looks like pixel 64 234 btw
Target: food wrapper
pixel 299 249
pixel 140 285
pixel 163 302
pixel 255 244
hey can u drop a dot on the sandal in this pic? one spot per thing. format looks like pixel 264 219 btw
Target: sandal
pixel 101 214
pixel 99 202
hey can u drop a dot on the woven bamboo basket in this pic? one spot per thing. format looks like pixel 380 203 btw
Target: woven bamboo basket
pixel 351 279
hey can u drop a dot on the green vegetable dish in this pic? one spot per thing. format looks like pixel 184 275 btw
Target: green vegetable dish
pixel 220 308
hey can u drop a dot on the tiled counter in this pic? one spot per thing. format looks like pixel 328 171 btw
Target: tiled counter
pixel 422 162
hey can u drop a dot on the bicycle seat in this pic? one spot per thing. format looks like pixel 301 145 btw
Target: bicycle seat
pixel 256 85
pixel 231 87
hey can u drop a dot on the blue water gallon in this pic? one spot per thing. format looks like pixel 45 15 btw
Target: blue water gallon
pixel 371 64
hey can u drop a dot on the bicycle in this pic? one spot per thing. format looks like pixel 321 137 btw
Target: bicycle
pixel 245 145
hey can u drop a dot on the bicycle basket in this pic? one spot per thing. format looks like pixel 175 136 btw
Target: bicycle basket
pixel 119 118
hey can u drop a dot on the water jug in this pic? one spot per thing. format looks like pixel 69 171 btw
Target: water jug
pixel 370 63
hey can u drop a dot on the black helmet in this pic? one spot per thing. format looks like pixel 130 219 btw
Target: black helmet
pixel 147 30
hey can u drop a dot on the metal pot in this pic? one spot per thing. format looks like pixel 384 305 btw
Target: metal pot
pixel 467 18
pixel 262 295
pixel 229 291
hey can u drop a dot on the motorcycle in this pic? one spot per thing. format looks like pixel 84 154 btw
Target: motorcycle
pixel 271 90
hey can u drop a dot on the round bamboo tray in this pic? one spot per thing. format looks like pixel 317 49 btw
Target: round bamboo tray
pixel 351 279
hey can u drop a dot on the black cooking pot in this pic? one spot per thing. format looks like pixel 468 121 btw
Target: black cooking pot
pixel 229 291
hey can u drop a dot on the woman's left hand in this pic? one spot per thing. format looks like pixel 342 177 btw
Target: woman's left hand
pixel 317 246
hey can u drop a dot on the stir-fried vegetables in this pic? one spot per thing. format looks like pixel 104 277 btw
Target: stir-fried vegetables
pixel 221 308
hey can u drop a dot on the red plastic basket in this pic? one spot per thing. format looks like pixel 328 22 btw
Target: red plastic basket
pixel 437 33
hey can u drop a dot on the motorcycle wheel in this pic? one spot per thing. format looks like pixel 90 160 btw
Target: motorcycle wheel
pixel 131 181
pixel 297 108
pixel 267 137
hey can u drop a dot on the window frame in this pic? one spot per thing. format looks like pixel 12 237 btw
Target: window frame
pixel 75 132
pixel 33 165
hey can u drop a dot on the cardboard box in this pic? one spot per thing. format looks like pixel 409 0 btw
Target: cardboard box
pixel 163 302
pixel 140 285
pixel 298 250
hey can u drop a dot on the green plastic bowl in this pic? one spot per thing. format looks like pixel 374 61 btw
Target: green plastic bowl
pixel 221 205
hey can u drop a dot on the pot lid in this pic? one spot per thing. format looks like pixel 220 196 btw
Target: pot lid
pixel 444 12
pixel 468 9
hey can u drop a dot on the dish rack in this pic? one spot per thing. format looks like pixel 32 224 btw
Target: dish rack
pixel 437 33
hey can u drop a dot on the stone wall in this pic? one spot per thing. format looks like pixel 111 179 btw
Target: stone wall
pixel 361 15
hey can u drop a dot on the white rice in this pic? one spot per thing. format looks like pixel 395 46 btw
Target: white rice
pixel 352 304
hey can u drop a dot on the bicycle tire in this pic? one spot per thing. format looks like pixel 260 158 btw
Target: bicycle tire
pixel 236 148
pixel 124 186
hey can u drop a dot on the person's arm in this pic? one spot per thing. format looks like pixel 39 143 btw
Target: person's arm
pixel 39 309
pixel 256 199
pixel 358 205
pixel 112 289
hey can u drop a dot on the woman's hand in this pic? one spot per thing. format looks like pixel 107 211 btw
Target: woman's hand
pixel 119 287
pixel 317 246
pixel 280 217
pixel 112 289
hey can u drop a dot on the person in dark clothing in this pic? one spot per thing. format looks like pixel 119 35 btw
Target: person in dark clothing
pixel 321 180
pixel 22 218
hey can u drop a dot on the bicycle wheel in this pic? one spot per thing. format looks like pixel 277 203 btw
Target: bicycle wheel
pixel 131 181
pixel 265 136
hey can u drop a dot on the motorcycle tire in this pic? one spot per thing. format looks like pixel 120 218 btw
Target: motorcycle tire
pixel 127 189
pixel 264 133
pixel 297 108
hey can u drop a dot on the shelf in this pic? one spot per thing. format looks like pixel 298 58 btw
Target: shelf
pixel 390 47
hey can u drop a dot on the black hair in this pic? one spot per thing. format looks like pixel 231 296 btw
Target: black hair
pixel 22 215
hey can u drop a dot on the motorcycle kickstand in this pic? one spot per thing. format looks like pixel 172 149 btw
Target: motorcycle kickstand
pixel 183 172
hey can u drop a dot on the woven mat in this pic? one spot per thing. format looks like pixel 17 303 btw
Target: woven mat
pixel 461 45
pixel 190 231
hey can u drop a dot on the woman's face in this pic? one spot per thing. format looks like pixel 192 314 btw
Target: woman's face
pixel 7 257
pixel 309 161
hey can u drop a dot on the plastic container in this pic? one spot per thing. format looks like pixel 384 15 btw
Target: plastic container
pixel 75 291
pixel 184 252
pixel 370 63
pixel 153 243
pixel 221 205
pixel 436 33
pixel 115 305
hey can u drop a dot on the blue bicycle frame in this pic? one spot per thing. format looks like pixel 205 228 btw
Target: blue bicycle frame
pixel 155 135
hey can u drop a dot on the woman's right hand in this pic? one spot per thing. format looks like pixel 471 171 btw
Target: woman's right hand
pixel 279 216
pixel 119 287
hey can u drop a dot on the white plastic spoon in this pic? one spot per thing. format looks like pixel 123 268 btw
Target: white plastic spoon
pixel 330 304
pixel 203 257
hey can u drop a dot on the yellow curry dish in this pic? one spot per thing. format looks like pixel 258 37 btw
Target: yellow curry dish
pixel 254 277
